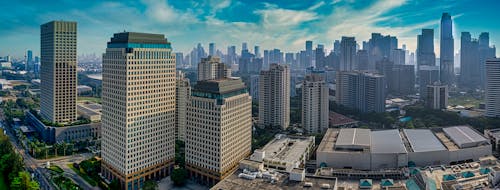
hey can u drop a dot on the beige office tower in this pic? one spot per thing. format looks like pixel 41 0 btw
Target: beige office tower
pixel 58 71
pixel 138 111
pixel 315 104
pixel 212 68
pixel 219 129
pixel 182 94
pixel 274 96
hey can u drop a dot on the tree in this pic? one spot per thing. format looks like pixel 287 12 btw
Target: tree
pixel 150 185
pixel 114 185
pixel 23 181
pixel 179 176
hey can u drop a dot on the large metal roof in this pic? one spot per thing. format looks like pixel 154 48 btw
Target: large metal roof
pixel 387 141
pixel 353 138
pixel 464 136
pixel 423 140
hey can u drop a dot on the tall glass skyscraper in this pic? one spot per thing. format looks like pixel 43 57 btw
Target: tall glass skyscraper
pixel 446 56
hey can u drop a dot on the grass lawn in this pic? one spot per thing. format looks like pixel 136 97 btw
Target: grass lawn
pixel 90 99
pixel 3 185
pixel 56 169
pixel 83 175
pixel 466 101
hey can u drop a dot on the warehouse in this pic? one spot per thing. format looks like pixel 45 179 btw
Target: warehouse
pixel 363 149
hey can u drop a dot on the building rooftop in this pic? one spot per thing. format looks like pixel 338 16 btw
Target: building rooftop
pixel 464 136
pixel 353 138
pixel 219 86
pixel 423 140
pixel 136 37
pixel 337 119
pixel 387 141
pixel 287 149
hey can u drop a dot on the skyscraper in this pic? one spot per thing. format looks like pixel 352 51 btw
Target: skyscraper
pixel 470 74
pixel 58 71
pixel 401 80
pixel 211 49
pixel 29 61
pixel 182 94
pixel 320 57
pixel 398 56
pixel 256 51
pixel 315 104
pixel 244 46
pixel 219 129
pixel 447 48
pixel 212 68
pixel 254 87
pixel 274 96
pixel 437 96
pixel 493 88
pixel 361 90
pixel 179 60
pixel 347 54
pixel 138 108
pixel 485 52
pixel 426 61
pixel 309 54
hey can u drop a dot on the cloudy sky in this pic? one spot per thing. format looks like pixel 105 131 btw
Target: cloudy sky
pixel 283 24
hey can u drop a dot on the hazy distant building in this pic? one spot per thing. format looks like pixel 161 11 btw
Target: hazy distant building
pixel 362 60
pixel 182 94
pixel 380 47
pixel 348 54
pixel 29 61
pixel 219 129
pixel 493 88
pixel 401 80
pixel 320 57
pixel 398 56
pixel 179 60
pixel 211 49
pixel 485 52
pixel 315 104
pixel 256 51
pixel 362 91
pixel 211 68
pixel 437 96
pixel 138 109
pixel 274 96
pixel 58 71
pixel 427 72
pixel 447 47
pixel 428 75
pixel 254 87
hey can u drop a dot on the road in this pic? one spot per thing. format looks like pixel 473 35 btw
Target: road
pixel 42 175
pixel 30 162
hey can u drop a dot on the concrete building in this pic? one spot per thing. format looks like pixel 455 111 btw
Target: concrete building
pixel 274 96
pixel 182 94
pixel 58 71
pixel 363 149
pixel 401 80
pixel 285 153
pixel 426 60
pixel 437 96
pixel 138 110
pixel 493 88
pixel 90 111
pixel 254 87
pixel 348 54
pixel 446 56
pixel 315 104
pixel 428 75
pixel 361 90
pixel 219 129
pixel 211 68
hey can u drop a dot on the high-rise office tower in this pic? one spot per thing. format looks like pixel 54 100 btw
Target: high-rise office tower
pixel 398 56
pixel 231 55
pixel 485 52
pixel 437 96
pixel 470 75
pixel 309 54
pixel 320 57
pixel 380 46
pixel 212 68
pixel 244 46
pixel 179 60
pixel 58 71
pixel 274 96
pixel 446 50
pixel 256 51
pixel 219 129
pixel 336 47
pixel 361 90
pixel 29 61
pixel 347 54
pixel 315 104
pixel 362 60
pixel 493 88
pixel 401 80
pixel 182 94
pixel 426 61
pixel 138 108
pixel 254 87
pixel 211 49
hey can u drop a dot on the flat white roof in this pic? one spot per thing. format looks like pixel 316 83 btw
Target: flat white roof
pixel 464 136
pixel 353 138
pixel 387 141
pixel 423 140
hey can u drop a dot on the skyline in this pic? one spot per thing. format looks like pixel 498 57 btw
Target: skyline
pixel 270 24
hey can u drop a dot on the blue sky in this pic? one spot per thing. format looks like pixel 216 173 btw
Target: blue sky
pixel 283 24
